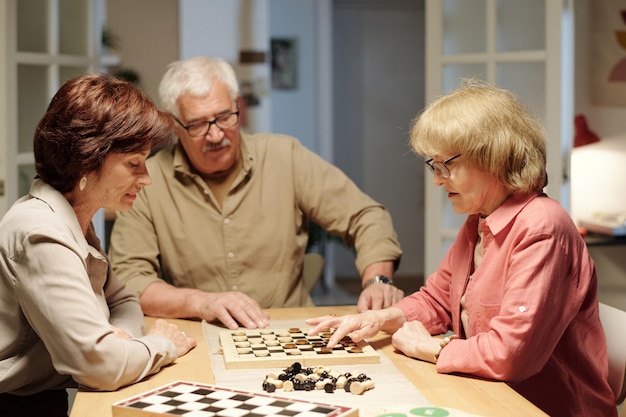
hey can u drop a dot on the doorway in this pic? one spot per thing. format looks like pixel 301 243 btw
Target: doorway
pixel 378 83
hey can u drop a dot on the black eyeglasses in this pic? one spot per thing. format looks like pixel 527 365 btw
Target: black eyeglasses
pixel 200 129
pixel 439 167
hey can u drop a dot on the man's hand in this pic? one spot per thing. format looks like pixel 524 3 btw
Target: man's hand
pixel 232 308
pixel 378 296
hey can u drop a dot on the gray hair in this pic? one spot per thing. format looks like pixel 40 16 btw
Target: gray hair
pixel 195 76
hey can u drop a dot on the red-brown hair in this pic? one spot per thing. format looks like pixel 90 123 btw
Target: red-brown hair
pixel 90 117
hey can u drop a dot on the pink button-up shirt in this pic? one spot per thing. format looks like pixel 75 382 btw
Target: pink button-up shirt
pixel 532 308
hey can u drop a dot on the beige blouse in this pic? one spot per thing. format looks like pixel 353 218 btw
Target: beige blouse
pixel 58 303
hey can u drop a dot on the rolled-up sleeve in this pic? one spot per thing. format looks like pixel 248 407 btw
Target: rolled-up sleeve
pixel 333 200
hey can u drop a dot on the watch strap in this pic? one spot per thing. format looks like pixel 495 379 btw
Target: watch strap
pixel 379 278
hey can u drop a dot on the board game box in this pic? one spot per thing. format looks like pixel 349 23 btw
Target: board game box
pixel 192 399
pixel 254 349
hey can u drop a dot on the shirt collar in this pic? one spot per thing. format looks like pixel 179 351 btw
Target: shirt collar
pixel 57 202
pixel 506 213
pixel 182 164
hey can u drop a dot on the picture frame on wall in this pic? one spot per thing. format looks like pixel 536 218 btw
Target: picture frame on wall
pixel 284 56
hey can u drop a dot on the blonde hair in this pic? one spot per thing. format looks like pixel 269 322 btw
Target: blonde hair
pixel 492 131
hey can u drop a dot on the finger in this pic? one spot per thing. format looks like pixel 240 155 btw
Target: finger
pixel 320 323
pixel 360 334
pixel 379 301
pixel 225 318
pixel 185 346
pixel 251 317
pixel 314 321
pixel 377 297
pixel 389 297
pixel 191 342
pixel 249 313
pixel 336 338
pixel 340 332
pixel 364 303
pixel 258 316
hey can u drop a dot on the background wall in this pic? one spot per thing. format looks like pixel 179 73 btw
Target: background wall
pixel 147 37
pixel 378 89
pixel 294 111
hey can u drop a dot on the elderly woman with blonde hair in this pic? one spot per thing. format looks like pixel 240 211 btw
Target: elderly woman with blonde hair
pixel 516 293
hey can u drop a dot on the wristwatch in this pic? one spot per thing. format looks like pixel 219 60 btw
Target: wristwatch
pixel 379 278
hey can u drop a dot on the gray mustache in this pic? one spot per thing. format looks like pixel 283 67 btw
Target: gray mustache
pixel 211 146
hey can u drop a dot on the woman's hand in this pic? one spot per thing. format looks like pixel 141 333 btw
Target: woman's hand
pixel 415 341
pixel 121 333
pixel 358 326
pixel 170 331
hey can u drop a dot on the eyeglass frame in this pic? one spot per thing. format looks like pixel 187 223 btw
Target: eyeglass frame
pixel 209 123
pixel 441 166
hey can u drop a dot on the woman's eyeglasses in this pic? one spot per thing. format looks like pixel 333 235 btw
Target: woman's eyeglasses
pixel 441 167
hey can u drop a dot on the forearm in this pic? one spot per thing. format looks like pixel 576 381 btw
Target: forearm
pixel 160 299
pixel 129 317
pixel 125 311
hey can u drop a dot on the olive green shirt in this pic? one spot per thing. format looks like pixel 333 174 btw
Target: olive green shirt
pixel 255 242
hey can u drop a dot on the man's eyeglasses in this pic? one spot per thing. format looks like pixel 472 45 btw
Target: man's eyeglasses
pixel 441 168
pixel 200 129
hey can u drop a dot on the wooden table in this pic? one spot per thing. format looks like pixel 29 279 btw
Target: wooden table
pixel 485 398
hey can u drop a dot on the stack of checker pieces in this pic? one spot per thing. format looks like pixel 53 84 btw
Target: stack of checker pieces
pixel 256 349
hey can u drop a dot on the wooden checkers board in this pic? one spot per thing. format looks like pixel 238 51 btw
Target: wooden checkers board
pixel 271 348
pixel 191 399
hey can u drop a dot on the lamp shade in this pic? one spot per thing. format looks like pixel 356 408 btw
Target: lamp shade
pixel 582 134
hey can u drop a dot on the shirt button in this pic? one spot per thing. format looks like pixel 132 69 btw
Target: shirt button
pixel 522 309
pixel 235 288
pixel 231 255
pixel 226 221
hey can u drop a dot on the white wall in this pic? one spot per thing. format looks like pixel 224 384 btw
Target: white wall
pixel 378 90
pixel 223 28
pixel 294 112
pixel 158 29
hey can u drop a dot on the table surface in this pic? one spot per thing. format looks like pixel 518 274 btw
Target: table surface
pixel 472 395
